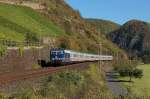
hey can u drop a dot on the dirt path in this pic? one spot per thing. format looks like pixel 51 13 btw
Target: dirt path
pixel 115 85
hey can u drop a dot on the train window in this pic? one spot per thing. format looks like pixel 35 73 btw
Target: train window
pixel 75 55
pixel 53 52
pixel 58 53
pixel 62 52
pixel 67 55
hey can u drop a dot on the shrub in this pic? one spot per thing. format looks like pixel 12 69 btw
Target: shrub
pixel 2 50
pixel 146 59
pixel 32 37
pixel 124 72
pixel 21 51
pixel 138 73
pixel 63 42
pixel 2 96
pixel 128 69
pixel 63 84
pixel 121 64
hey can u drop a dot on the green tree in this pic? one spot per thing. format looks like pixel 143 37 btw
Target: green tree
pixel 128 69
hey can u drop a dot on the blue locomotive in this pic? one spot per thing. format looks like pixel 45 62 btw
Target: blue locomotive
pixel 59 56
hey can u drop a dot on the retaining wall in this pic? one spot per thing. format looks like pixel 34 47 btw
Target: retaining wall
pixel 25 59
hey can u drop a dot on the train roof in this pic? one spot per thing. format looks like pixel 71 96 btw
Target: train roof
pixel 79 53
pixel 74 52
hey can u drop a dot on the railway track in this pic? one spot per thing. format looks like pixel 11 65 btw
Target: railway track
pixel 31 74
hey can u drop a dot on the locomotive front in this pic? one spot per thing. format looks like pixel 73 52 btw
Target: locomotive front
pixel 57 56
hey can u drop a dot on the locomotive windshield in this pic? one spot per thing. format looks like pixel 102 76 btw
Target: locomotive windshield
pixel 57 55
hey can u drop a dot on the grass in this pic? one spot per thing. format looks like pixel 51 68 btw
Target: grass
pixel 141 87
pixel 16 21
pixel 87 84
pixel 68 84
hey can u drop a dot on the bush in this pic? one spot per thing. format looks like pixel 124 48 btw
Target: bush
pixel 63 84
pixel 138 73
pixel 72 77
pixel 146 59
pixel 2 50
pixel 63 42
pixel 124 72
pixel 121 65
pixel 2 96
pixel 32 37
pixel 128 68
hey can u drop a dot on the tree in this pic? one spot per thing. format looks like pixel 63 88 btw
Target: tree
pixel 129 69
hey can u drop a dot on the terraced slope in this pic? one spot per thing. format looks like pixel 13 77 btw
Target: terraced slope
pixel 17 21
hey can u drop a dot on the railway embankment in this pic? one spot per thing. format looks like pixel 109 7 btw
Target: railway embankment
pixel 68 84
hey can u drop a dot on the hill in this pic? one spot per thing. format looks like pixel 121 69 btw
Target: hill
pixel 133 36
pixel 71 30
pixel 57 20
pixel 18 21
pixel 82 36
pixel 104 26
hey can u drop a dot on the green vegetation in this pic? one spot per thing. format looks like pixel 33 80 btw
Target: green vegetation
pixel 133 37
pixel 70 84
pixel 17 23
pixel 81 35
pixel 146 57
pixel 128 69
pixel 103 26
pixel 27 24
pixel 140 87
pixel 21 50
pixel 76 84
pixel 2 50
pixel 128 72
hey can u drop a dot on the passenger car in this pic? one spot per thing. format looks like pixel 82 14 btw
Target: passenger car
pixel 59 56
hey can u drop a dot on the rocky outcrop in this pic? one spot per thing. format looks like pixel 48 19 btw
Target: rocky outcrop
pixel 133 37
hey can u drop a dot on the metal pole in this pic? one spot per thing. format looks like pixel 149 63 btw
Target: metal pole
pixel 99 53
pixel 40 49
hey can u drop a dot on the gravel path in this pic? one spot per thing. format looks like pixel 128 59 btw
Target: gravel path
pixel 115 85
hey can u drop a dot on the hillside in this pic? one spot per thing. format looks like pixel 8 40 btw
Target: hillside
pixel 76 27
pixel 104 26
pixel 133 36
pixel 71 30
pixel 17 21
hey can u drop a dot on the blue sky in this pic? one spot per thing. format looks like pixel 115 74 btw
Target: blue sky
pixel 118 11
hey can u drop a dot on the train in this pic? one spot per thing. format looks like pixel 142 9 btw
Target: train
pixel 61 56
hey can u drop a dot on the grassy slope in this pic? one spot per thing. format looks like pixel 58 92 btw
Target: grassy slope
pixel 15 21
pixel 141 87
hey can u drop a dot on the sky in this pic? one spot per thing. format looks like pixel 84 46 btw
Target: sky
pixel 119 11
